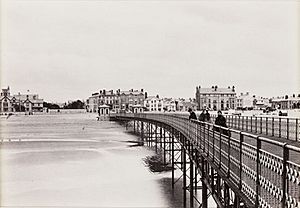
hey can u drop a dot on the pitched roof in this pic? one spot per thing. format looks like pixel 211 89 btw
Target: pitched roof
pixel 7 97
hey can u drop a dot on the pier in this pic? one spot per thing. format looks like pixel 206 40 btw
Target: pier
pixel 243 169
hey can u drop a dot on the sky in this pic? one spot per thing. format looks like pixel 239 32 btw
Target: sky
pixel 67 50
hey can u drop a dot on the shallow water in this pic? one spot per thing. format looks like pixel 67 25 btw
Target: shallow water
pixel 73 160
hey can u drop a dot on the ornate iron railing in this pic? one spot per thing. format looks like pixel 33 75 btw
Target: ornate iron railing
pixel 281 127
pixel 267 172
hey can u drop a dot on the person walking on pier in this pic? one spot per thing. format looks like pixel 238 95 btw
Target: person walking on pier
pixel 204 116
pixel 221 121
pixel 192 114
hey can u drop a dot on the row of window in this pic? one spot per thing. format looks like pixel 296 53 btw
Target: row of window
pixel 215 101
pixel 5 103
pixel 217 95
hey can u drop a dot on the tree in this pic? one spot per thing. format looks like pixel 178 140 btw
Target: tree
pixel 50 105
pixel 75 105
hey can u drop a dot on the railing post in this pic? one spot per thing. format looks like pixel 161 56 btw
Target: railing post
pixel 156 139
pixel 247 123
pixel 242 122
pixel 255 124
pixel 228 173
pixel 261 125
pixel 272 126
pixel 296 129
pixel 279 128
pixel 165 159
pixel 204 138
pixel 241 160
pixel 160 137
pixel 213 137
pixel 266 125
pixel 208 139
pixel 220 148
pixel 258 171
pixel 287 128
pixel 251 123
pixel 284 175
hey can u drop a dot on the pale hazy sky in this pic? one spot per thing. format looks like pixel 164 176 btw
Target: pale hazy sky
pixel 66 50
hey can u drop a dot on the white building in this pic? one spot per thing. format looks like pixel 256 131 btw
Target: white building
pixel 184 105
pixel 286 102
pixel 93 103
pixel 169 104
pixel 216 98
pixel 261 102
pixel 245 101
pixel 153 103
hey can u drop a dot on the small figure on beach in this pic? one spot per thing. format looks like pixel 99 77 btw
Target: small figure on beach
pixel 192 114
pixel 221 121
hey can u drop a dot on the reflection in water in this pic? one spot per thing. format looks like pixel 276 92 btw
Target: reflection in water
pixel 73 160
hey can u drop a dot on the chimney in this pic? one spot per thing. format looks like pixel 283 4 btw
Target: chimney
pixel 233 89
pixel 216 87
pixel 142 90
pixel 100 91
pixel 228 87
pixel 157 96
pixel 146 95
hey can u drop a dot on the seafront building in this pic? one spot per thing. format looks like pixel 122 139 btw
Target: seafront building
pixel 169 104
pixel 216 98
pixel 157 104
pixel 153 103
pixel 20 102
pixel 261 103
pixel 245 101
pixel 286 102
pixel 184 105
pixel 116 100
